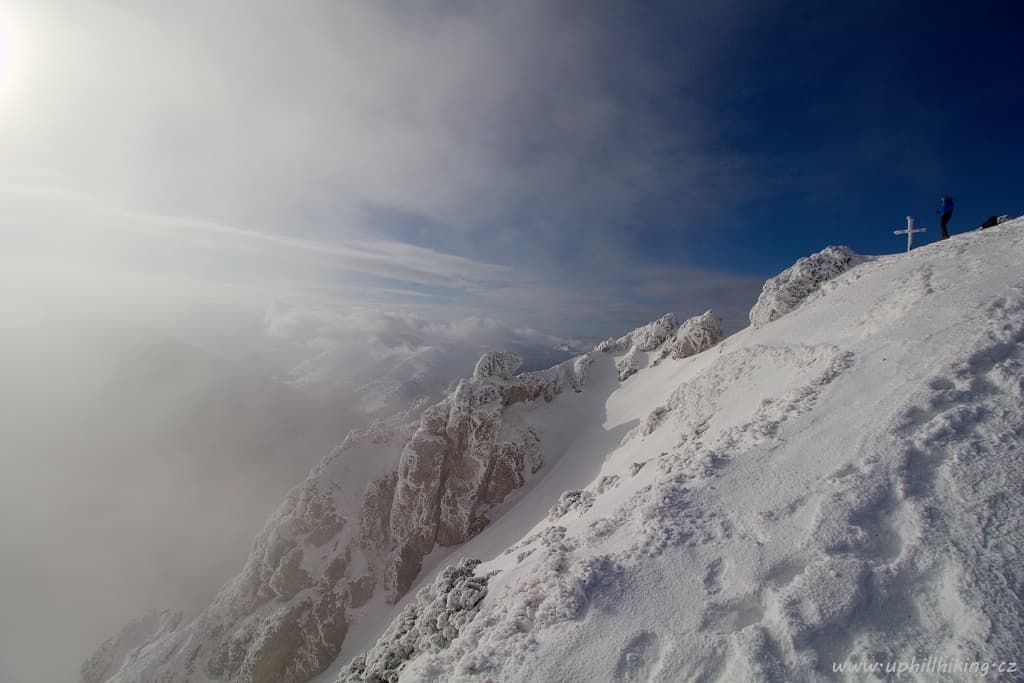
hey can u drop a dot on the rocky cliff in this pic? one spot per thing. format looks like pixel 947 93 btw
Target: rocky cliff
pixel 359 527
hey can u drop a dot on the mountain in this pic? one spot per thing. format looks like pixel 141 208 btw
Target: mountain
pixel 134 471
pixel 837 485
pixel 401 359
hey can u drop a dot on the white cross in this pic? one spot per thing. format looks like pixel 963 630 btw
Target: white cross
pixel 909 232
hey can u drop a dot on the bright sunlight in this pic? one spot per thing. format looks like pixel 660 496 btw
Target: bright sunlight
pixel 11 57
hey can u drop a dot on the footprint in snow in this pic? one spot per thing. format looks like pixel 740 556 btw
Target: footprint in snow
pixel 640 660
pixel 713 576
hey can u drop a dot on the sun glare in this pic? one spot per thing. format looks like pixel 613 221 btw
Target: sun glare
pixel 11 62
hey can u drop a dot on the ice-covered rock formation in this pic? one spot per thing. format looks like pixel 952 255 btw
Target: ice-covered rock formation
pixel 641 340
pixel 696 334
pixel 788 289
pixel 429 624
pixel 646 338
pixel 464 460
pixel 501 364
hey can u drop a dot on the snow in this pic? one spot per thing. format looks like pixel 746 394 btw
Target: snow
pixel 841 485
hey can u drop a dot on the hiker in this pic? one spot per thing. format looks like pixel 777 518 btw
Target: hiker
pixel 946 209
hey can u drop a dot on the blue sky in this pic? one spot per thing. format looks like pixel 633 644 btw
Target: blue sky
pixel 573 168
pixel 851 117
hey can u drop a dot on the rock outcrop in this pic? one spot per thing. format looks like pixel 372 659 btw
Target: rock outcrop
pixel 501 364
pixel 646 338
pixel 787 290
pixel 427 625
pixel 641 340
pixel 697 334
pixel 465 459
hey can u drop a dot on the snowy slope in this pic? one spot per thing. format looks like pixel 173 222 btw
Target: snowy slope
pixel 842 484
pixel 838 482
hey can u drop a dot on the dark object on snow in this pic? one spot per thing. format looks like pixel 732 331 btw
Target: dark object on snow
pixel 991 222
pixel 946 209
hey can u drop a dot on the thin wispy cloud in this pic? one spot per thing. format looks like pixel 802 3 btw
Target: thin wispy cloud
pixel 379 257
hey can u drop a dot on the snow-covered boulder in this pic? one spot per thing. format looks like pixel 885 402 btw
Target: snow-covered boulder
pixel 501 364
pixel 427 625
pixel 696 334
pixel 784 292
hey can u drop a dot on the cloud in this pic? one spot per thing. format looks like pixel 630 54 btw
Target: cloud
pixel 501 160
pixel 542 117
pixel 378 257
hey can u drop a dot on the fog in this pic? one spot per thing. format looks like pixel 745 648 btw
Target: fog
pixel 136 470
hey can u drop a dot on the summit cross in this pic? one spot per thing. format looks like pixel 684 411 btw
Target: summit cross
pixel 909 232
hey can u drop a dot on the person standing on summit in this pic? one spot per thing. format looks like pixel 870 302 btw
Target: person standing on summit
pixel 946 209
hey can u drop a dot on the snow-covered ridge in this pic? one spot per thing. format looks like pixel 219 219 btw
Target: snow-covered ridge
pixel 358 529
pixel 842 487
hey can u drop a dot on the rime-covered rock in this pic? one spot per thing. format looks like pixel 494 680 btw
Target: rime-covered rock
pixel 428 624
pixel 646 338
pixel 696 334
pixel 651 336
pixel 787 290
pixel 641 340
pixel 501 364
pixel 573 499
pixel 628 364
pixel 465 459
pixel 546 384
